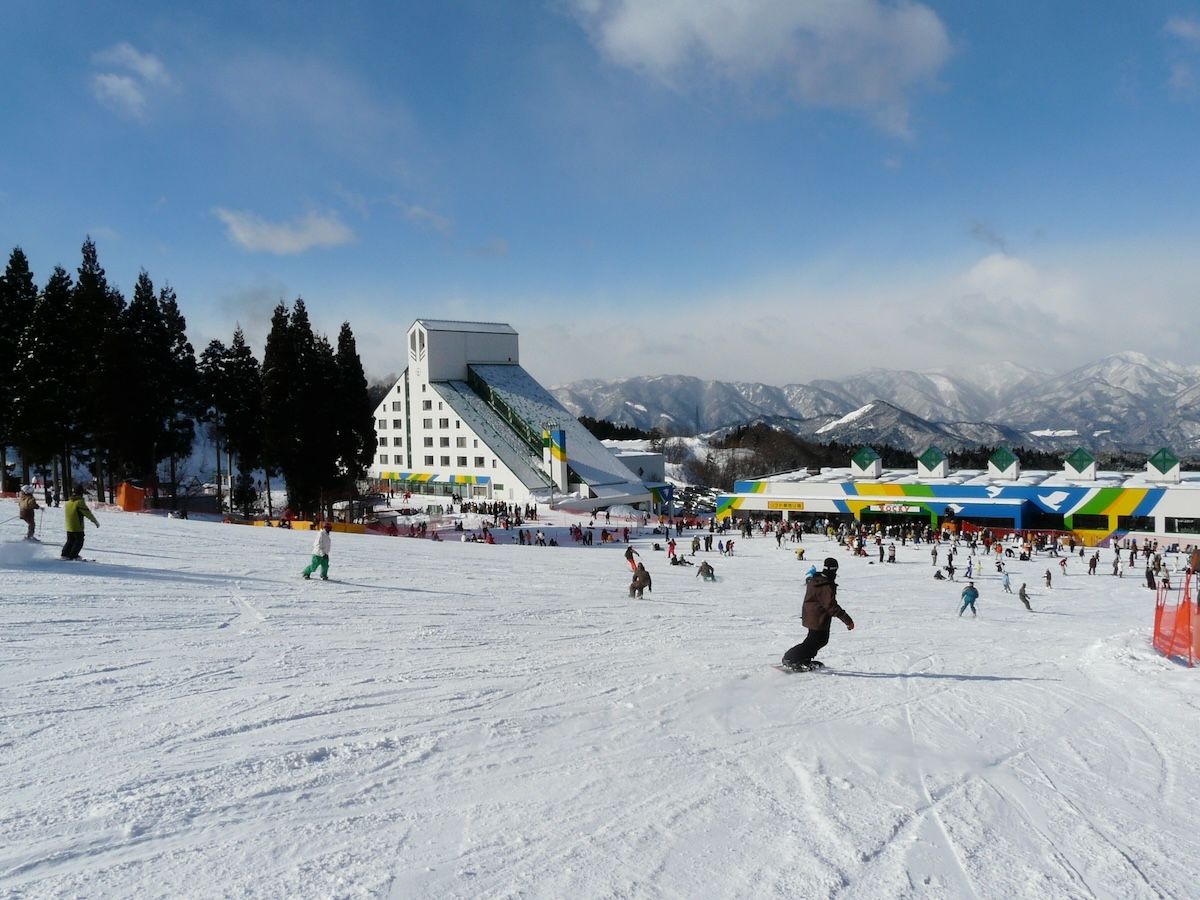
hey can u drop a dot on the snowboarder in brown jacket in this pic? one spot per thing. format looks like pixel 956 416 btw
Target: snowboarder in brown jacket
pixel 641 581
pixel 820 606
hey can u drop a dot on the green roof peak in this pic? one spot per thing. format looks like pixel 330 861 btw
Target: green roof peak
pixel 1164 460
pixel 1003 459
pixel 931 458
pixel 864 457
pixel 1080 459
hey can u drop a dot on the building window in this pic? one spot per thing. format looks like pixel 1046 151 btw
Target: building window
pixel 443 423
pixel 427 423
pixel 443 442
pixel 1086 522
pixel 475 443
pixel 498 487
pixel 397 406
pixel 423 388
pixel 493 464
pixel 397 424
pixel 479 463
pixel 1183 526
pixel 441 405
pixel 445 461
pixel 1135 523
pixel 383 459
pixel 383 442
pixel 428 442
pixel 457 423
pixel 426 404
pixel 381 424
pixel 429 460
pixel 460 442
pixel 462 462
pixel 398 442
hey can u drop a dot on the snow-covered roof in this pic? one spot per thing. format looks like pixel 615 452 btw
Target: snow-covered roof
pixel 494 432
pixel 983 477
pixel 591 460
pixel 482 327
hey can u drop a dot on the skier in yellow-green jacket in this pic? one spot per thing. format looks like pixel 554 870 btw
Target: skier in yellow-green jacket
pixel 75 511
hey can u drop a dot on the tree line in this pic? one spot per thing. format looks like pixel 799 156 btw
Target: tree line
pixel 113 387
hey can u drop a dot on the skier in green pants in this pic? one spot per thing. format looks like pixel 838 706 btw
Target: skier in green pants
pixel 320 558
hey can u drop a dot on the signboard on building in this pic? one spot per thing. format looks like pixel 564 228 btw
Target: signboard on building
pixel 785 504
pixel 903 508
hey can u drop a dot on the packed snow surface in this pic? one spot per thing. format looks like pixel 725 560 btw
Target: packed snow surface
pixel 186 717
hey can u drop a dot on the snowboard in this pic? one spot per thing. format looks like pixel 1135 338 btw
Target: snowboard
pixel 814 666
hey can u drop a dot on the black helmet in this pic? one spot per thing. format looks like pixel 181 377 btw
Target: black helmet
pixel 831 564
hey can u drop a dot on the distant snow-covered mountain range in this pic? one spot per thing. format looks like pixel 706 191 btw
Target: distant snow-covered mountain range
pixel 1127 401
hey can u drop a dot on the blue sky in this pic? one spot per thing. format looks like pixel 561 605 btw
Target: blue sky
pixel 769 190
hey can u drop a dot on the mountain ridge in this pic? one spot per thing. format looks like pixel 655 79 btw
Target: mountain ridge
pixel 1126 401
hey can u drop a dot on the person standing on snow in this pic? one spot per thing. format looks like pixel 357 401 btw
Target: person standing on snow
pixel 630 553
pixel 74 512
pixel 641 582
pixel 1023 596
pixel 26 504
pixel 320 557
pixel 820 606
pixel 706 571
pixel 969 596
pixel 1007 586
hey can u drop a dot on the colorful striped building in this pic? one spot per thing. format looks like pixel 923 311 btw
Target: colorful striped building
pixel 1161 501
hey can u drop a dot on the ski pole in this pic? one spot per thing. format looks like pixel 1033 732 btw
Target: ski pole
pixel 41 519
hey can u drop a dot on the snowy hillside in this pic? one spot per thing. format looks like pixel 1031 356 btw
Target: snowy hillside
pixel 185 717
pixel 1124 401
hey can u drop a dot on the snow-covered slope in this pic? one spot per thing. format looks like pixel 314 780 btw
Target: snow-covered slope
pixel 187 718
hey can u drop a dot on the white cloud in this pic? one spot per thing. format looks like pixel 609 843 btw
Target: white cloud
pixel 1182 80
pixel 251 232
pixel 1183 28
pixel 864 56
pixel 426 218
pixel 147 67
pixel 128 92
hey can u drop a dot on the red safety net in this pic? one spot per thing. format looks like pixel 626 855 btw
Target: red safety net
pixel 1175 621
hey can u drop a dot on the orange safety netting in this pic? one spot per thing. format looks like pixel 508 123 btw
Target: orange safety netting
pixel 1175 621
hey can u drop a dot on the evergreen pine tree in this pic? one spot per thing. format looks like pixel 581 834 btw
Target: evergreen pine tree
pixel 45 379
pixel 179 386
pixel 212 399
pixel 243 388
pixel 18 293
pixel 354 411
pixel 96 337
pixel 282 398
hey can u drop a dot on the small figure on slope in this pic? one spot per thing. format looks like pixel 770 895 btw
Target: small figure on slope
pixel 74 512
pixel 969 596
pixel 706 572
pixel 26 504
pixel 641 582
pixel 630 553
pixel 820 606
pixel 320 554
pixel 1023 596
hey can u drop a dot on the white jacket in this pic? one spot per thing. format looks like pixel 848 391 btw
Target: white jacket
pixel 321 544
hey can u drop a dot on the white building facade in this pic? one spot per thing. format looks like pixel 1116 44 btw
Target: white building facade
pixel 465 419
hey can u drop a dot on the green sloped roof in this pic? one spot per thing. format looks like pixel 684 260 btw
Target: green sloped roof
pixel 1164 460
pixel 864 457
pixel 931 458
pixel 1003 459
pixel 1080 459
